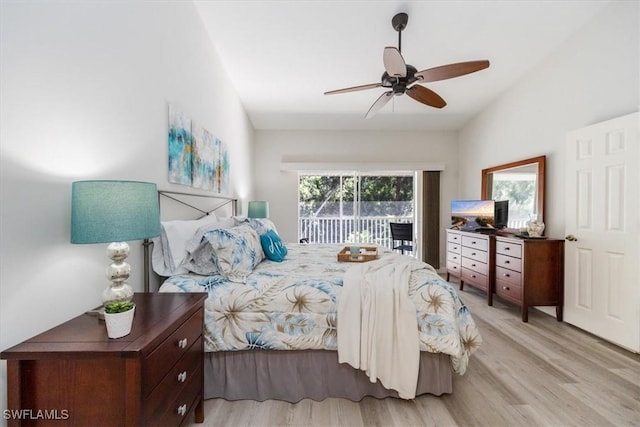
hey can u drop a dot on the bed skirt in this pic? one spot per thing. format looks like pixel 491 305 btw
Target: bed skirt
pixel 310 374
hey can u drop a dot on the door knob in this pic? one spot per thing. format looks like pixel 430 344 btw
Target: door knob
pixel 571 238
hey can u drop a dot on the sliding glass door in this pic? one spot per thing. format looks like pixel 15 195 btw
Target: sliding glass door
pixel 339 207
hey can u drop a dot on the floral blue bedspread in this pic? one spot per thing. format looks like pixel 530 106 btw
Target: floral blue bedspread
pixel 292 305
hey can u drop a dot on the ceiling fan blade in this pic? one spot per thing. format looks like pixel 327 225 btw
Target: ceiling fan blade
pixel 426 96
pixel 380 102
pixel 450 71
pixel 354 88
pixel 393 62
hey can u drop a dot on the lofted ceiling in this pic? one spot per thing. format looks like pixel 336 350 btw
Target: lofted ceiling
pixel 283 55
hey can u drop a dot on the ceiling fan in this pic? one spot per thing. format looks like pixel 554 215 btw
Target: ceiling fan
pixel 403 78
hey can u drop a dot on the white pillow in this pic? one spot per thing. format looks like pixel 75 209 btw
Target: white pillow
pixel 176 234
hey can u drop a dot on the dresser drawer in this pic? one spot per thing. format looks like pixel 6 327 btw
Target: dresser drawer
pixel 477 266
pixel 160 361
pixel 511 263
pixel 474 253
pixel 454 238
pixel 511 249
pixel 513 277
pixel 453 267
pixel 475 242
pixel 453 247
pixel 475 278
pixel 509 291
pixel 174 383
pixel 176 412
pixel 454 257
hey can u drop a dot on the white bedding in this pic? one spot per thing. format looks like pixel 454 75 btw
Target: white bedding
pixel 377 326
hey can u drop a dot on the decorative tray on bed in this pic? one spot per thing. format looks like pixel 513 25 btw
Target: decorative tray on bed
pixel 367 253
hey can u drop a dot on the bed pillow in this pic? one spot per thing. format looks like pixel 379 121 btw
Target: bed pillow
pixel 261 225
pixel 272 246
pixel 232 253
pixel 177 234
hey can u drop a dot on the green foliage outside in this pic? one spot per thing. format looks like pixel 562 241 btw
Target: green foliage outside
pixel 333 196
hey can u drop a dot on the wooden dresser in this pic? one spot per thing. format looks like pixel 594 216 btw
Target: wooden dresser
pixel 530 272
pixel 75 375
pixel 470 258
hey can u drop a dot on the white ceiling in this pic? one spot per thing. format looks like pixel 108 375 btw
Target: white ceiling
pixel 283 55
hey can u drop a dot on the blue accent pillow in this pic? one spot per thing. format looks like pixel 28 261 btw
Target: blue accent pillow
pixel 272 246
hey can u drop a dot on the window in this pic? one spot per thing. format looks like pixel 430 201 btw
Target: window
pixel 341 207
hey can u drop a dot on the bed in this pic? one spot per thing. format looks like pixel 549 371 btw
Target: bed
pixel 271 325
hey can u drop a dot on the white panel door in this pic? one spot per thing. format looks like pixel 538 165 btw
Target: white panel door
pixel 602 263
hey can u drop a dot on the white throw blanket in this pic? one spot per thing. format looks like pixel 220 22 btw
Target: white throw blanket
pixel 377 325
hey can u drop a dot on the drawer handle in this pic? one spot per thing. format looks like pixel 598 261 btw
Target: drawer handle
pixel 473 242
pixel 473 275
pixel 182 343
pixel 506 288
pixel 506 248
pixel 473 253
pixel 507 262
pixel 506 275
pixel 182 409
pixel 182 376
pixel 473 265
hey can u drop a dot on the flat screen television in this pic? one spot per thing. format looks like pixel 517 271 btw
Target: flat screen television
pixel 479 214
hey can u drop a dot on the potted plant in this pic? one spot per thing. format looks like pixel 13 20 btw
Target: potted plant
pixel 118 316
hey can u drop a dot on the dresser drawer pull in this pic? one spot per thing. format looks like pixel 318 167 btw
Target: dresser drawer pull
pixel 182 343
pixel 182 376
pixel 506 248
pixel 505 288
pixel 507 275
pixel 473 253
pixel 473 242
pixel 507 262
pixel 473 275
pixel 182 409
pixel 473 265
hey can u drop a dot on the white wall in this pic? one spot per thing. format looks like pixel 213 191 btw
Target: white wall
pixel 593 76
pixel 281 188
pixel 85 89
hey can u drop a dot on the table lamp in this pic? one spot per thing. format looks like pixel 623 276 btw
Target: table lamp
pixel 116 212
pixel 258 209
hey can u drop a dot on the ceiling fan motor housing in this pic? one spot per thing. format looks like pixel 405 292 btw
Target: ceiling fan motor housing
pixel 399 84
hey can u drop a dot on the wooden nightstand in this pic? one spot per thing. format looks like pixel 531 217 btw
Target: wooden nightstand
pixel 74 374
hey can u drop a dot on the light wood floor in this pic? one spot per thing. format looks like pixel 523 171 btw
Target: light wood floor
pixel 541 373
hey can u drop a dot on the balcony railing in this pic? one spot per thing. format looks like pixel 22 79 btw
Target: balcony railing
pixel 374 230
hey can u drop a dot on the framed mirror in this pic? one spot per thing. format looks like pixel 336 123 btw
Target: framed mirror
pixel 522 183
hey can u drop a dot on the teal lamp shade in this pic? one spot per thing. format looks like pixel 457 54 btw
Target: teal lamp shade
pixel 258 209
pixel 116 212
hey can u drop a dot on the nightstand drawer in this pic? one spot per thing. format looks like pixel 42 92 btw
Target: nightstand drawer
pixel 160 361
pixel 476 266
pixel 177 410
pixel 173 384
pixel 511 263
pixel 510 276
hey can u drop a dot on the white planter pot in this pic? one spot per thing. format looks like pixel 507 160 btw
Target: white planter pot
pixel 119 324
